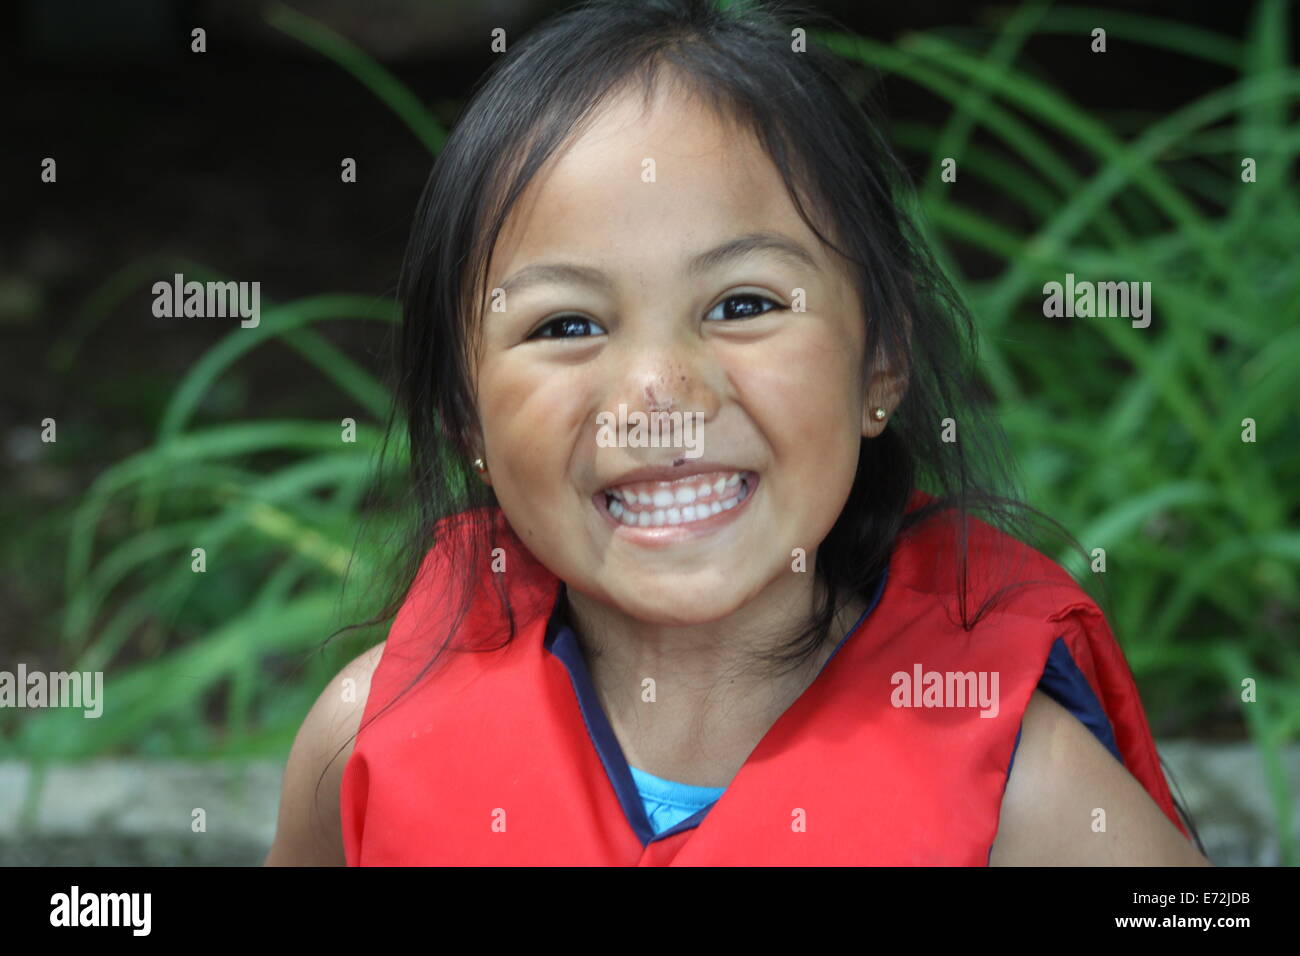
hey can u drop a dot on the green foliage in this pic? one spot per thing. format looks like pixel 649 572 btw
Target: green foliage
pixel 275 505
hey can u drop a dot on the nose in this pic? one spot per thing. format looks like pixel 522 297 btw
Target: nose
pixel 670 379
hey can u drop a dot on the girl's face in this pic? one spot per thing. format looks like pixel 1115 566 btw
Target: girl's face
pixel 657 296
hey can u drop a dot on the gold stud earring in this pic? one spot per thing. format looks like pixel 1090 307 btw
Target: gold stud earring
pixel 479 466
pixel 878 414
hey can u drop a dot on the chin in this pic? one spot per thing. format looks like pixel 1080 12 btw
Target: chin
pixel 678 606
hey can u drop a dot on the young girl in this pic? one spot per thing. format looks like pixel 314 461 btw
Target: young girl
pixel 768 646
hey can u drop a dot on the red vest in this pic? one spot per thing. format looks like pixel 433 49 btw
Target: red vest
pixel 503 758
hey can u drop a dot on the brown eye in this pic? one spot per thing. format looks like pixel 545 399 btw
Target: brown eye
pixel 746 305
pixel 567 327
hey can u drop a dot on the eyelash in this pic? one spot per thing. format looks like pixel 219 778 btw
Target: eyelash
pixel 573 318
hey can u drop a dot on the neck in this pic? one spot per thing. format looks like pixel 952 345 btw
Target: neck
pixel 712 699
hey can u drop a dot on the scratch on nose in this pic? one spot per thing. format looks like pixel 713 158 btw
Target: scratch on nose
pixel 654 404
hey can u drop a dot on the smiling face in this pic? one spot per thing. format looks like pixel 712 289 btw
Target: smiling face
pixel 675 291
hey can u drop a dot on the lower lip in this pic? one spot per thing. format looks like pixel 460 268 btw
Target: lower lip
pixel 673 533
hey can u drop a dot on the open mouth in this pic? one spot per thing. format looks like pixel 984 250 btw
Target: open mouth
pixel 685 501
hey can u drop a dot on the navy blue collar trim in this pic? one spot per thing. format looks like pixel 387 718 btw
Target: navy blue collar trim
pixel 563 643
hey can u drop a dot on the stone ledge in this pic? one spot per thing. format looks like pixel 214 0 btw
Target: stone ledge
pixel 1225 789
pixel 138 812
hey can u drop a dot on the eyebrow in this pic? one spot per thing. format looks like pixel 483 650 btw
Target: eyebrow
pixel 781 246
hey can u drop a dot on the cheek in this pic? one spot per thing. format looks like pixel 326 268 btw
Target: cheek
pixel 805 389
pixel 805 399
pixel 531 416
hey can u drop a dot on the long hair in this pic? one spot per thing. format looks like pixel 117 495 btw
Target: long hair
pixel 838 170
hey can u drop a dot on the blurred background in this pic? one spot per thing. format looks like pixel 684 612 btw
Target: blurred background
pixel 1173 447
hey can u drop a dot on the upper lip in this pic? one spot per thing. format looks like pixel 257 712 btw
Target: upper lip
pixel 669 473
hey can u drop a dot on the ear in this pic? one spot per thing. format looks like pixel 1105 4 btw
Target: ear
pixel 886 385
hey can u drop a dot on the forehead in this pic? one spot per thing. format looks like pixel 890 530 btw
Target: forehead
pixel 647 183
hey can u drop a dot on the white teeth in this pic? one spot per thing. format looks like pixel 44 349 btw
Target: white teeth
pixel 668 513
pixel 682 495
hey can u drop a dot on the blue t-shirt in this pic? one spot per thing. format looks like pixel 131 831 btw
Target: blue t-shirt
pixel 667 802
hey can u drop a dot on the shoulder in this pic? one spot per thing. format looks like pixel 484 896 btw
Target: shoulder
pixel 1069 802
pixel 308 832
